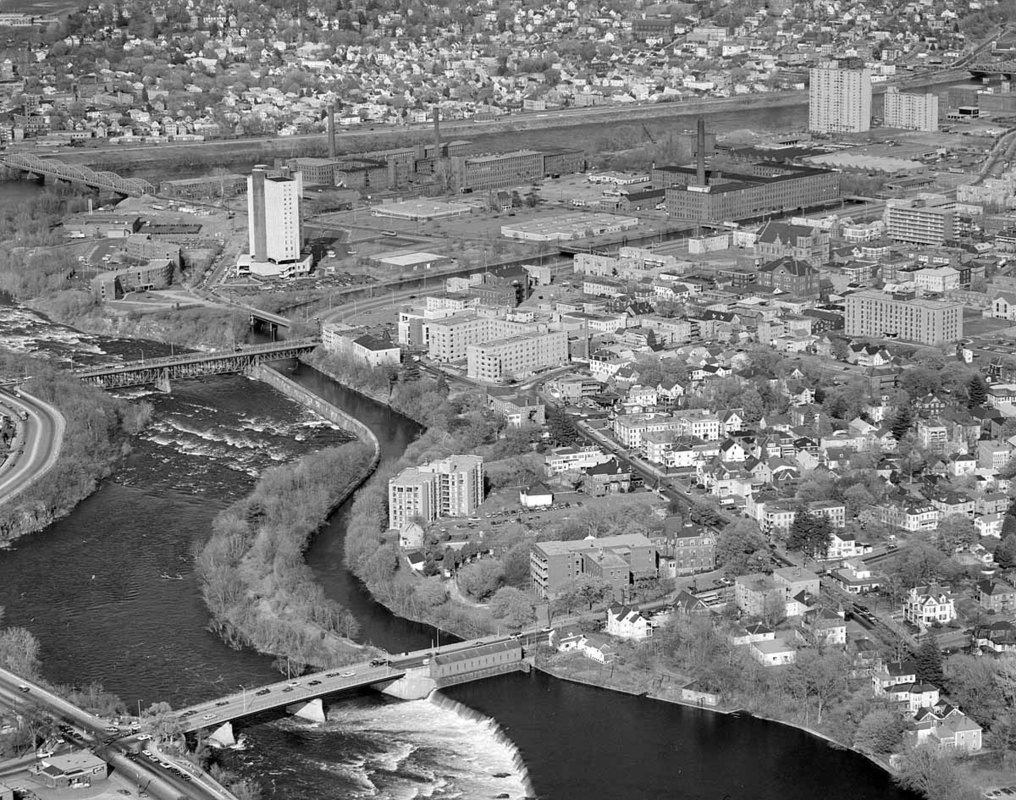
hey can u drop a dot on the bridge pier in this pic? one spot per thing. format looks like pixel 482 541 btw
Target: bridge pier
pixel 162 383
pixel 223 735
pixel 313 710
pixel 414 685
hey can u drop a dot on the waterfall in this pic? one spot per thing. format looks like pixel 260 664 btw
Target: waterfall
pixel 496 731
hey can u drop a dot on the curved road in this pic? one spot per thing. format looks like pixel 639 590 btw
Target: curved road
pixel 43 432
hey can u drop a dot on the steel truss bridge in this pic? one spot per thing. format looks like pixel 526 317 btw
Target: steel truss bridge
pixel 194 365
pixel 53 169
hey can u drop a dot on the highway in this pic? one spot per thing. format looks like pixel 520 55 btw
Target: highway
pixel 43 431
pixel 115 746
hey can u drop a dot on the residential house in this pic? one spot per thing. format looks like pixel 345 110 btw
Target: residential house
pixel 626 622
pixel 996 596
pixel 773 653
pixel 928 605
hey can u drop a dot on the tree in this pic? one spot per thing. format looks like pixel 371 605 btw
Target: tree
pixel 513 606
pixel 928 662
pixel 932 773
pixel 901 422
pixel 160 721
pixel 740 548
pixel 810 533
pixel 880 731
pixel 977 391
pixel 956 532
pixel 1005 553
pixel 481 579
pixel 917 563
pixel 19 652
pixel 823 675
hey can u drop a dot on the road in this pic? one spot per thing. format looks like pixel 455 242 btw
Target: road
pixel 283 693
pixel 43 436
pixel 116 747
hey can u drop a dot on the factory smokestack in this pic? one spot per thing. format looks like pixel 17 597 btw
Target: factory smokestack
pixel 331 131
pixel 700 153
pixel 437 131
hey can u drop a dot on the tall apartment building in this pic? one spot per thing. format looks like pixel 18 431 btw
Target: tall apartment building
pixel 916 112
pixel 449 339
pixel 616 559
pixel 273 211
pixel 925 219
pixel 518 355
pixel 839 100
pixel 450 487
pixel 881 315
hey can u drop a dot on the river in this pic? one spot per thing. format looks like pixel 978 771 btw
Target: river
pixel 111 594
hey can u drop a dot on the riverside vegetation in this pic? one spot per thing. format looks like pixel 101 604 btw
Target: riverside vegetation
pixel 96 439
pixel 254 580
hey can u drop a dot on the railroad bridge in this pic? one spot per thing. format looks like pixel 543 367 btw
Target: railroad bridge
pixel 160 371
pixel 53 169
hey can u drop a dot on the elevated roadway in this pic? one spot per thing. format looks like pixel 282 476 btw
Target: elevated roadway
pixel 105 741
pixel 43 430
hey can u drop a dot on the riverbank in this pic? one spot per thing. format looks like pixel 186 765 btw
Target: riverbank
pixel 96 437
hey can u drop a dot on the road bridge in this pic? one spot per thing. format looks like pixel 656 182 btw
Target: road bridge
pixel 53 169
pixel 118 748
pixel 160 371
pixel 407 676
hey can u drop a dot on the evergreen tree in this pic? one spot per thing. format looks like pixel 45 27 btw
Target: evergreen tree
pixel 928 662
pixel 809 533
pixel 977 391
pixel 902 421
pixel 1005 553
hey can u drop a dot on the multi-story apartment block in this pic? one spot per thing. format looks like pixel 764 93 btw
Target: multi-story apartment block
pixel 450 487
pixel 881 315
pixel 926 219
pixel 516 356
pixel 917 112
pixel 448 339
pixel 839 100
pixel 616 559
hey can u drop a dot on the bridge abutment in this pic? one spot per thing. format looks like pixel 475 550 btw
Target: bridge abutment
pixel 313 710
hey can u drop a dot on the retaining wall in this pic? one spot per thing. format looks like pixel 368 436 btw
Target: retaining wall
pixel 318 405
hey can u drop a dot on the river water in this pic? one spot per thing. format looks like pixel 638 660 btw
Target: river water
pixel 110 593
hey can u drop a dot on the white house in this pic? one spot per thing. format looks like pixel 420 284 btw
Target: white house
pixel 625 622
pixel 772 652
pixel 927 605
pixel 539 495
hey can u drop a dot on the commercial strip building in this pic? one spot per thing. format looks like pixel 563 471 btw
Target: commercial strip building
pixel 450 487
pixel 516 356
pixel 616 559
pixel 926 219
pixel 571 225
pixel 881 315
pixel 839 100
pixel 916 112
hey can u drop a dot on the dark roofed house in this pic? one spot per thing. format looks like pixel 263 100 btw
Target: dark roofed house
pixel 539 495
pixel 609 477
